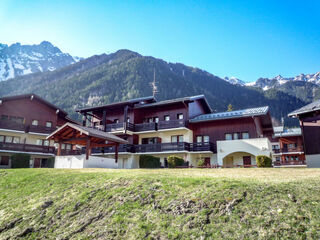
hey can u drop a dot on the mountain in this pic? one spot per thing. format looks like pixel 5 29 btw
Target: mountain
pixel 125 74
pixel 234 81
pixel 17 59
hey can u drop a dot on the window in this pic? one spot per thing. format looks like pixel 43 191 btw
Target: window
pixel 35 122
pixel 68 146
pixel 150 120
pixel 292 158
pixel 167 118
pixel 9 139
pixel 245 135
pixel 63 146
pixel 4 160
pixel 156 119
pixel 39 142
pixel 1 138
pixel 48 124
pixel 199 139
pixel 296 158
pixel 4 117
pixel 278 159
pixel 46 143
pixel 128 119
pixel 116 121
pixel 16 139
pixel 228 136
pixel 235 136
pixel 206 139
pixel 179 116
pixel 177 138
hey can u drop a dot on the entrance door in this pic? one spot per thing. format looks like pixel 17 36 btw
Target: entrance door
pixel 37 163
pixel 207 161
pixel 229 162
pixel 247 160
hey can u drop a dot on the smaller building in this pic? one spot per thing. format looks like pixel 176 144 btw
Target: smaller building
pixel 309 118
pixel 287 147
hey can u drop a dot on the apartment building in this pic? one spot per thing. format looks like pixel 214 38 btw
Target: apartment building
pixel 186 127
pixel 309 118
pixel 25 122
pixel 287 147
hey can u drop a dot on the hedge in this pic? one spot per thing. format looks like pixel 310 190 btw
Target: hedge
pixel 149 161
pixel 175 161
pixel 20 160
pixel 263 161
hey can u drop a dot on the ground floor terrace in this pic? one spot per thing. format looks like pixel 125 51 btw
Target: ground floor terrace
pixel 37 160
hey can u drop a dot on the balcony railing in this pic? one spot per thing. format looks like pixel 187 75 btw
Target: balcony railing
pixel 12 125
pixel 171 124
pixel 162 147
pixel 122 148
pixel 41 129
pixel 68 152
pixel 141 127
pixel 290 163
pixel 114 127
pixel 288 150
pixel 27 148
pixel 203 146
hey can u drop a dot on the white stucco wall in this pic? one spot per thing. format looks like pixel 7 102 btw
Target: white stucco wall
pixel 253 146
pixel 80 161
pixel 313 161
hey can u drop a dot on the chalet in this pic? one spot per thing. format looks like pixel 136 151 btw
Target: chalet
pixel 25 122
pixel 309 117
pixel 288 147
pixel 185 127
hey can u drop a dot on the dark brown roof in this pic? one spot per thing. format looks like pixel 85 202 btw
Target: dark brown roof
pixel 31 95
pixel 314 106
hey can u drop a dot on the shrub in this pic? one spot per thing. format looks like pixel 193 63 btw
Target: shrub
pixel 263 161
pixel 149 161
pixel 175 161
pixel 20 160
pixel 201 163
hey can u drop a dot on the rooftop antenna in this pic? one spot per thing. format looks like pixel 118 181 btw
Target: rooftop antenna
pixel 154 84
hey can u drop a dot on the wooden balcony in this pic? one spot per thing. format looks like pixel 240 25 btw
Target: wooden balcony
pixel 71 152
pixel 27 148
pixel 289 163
pixel 116 127
pixel 289 150
pixel 203 146
pixel 11 125
pixel 41 129
pixel 122 148
pixel 141 127
pixel 171 124
pixel 162 147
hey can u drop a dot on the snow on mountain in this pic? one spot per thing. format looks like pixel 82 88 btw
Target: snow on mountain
pixel 267 83
pixel 17 59
pixel 234 81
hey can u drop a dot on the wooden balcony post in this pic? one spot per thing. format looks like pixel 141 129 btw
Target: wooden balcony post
pixel 116 152
pixel 59 149
pixel 125 116
pixel 104 115
pixel 88 148
pixel 84 121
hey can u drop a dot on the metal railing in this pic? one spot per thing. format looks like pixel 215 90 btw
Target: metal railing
pixel 27 148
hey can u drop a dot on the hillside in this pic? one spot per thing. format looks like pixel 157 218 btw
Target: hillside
pixel 17 59
pixel 125 74
pixel 160 204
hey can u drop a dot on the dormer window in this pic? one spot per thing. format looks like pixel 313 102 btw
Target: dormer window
pixel 179 116
pixel 48 124
pixel 35 122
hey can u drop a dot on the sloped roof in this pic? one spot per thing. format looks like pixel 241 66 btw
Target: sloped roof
pixel 131 101
pixel 91 132
pixel 232 114
pixel 289 132
pixel 314 106
pixel 176 100
pixel 31 96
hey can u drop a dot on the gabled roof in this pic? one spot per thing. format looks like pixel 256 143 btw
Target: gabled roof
pixel 314 106
pixel 90 132
pixel 250 112
pixel 33 96
pixel 176 100
pixel 290 132
pixel 128 102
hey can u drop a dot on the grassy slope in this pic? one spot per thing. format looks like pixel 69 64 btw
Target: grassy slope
pixel 160 204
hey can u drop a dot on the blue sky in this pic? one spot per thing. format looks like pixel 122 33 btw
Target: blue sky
pixel 246 39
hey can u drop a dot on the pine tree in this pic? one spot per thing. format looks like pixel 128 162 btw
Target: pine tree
pixel 230 108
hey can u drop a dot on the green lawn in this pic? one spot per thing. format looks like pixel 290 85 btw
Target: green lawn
pixel 160 204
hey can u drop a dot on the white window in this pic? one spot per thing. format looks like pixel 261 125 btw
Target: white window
pixel 167 118
pixel 228 136
pixel 156 119
pixel 199 139
pixel 68 146
pixel 63 146
pixel 245 135
pixel 8 139
pixel 1 138
pixel 16 139
pixel 174 138
pixel 39 142
pixel 35 122
pixel 46 142
pixel 179 116
pixel 206 139
pixel 48 124
pixel 128 119
pixel 235 136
